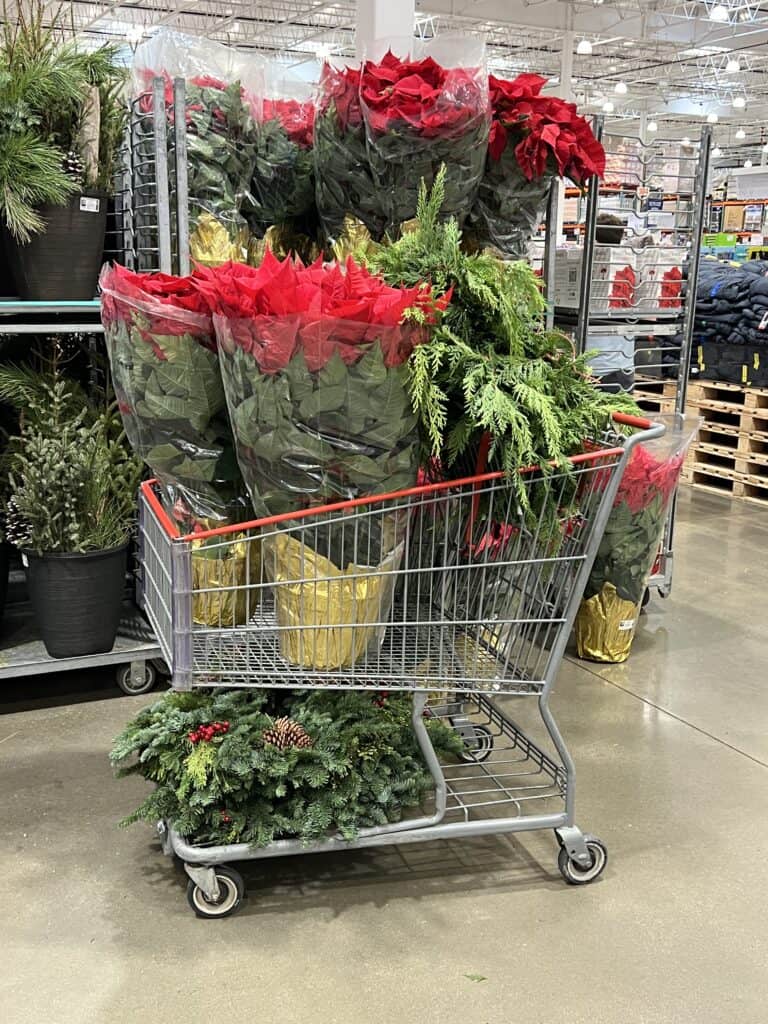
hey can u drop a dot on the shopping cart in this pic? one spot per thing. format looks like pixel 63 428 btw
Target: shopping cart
pixel 462 592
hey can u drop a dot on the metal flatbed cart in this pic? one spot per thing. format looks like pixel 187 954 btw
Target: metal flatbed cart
pixel 638 293
pixel 451 592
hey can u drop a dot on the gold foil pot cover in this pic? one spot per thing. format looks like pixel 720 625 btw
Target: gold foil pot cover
pixel 328 617
pixel 222 578
pixel 212 243
pixel 355 240
pixel 605 626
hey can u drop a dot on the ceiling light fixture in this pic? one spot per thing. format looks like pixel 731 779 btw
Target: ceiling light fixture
pixel 652 126
pixel 686 141
pixel 739 102
pixel 717 151
pixel 765 148
pixel 741 134
pixel 621 88
pixel 712 118
pixel 134 35
pixel 747 163
pixel 584 47
pixel 608 107
pixel 719 13
pixel 733 67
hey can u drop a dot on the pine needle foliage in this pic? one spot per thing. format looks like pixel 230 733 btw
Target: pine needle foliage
pixel 364 767
pixel 44 81
pixel 491 366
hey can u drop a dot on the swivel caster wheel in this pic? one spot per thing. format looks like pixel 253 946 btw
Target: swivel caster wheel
pixel 143 683
pixel 574 873
pixel 231 893
pixel 479 746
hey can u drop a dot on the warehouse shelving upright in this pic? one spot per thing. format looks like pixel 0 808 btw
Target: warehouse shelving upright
pixel 645 288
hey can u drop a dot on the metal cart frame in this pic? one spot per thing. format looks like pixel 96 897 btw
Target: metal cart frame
pixel 523 597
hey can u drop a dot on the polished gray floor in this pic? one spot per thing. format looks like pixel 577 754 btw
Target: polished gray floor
pixel 672 750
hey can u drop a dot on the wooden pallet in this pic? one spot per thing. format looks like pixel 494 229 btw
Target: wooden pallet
pixel 655 394
pixel 729 408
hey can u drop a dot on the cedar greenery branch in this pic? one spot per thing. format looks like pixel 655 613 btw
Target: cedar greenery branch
pixel 491 366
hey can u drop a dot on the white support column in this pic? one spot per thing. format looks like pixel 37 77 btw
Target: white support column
pixel 382 19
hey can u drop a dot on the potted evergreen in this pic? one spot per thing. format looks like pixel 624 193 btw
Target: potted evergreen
pixel 72 485
pixel 61 128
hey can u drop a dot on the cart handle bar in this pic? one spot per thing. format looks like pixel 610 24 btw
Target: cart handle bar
pixel 172 530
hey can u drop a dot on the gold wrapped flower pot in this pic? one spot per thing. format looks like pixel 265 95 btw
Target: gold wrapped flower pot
pixel 328 617
pixel 605 626
pixel 222 595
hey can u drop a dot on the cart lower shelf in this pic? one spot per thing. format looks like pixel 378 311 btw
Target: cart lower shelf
pixel 504 783
pixel 135 653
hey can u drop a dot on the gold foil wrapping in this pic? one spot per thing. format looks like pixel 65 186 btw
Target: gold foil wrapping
pixel 222 578
pixel 355 240
pixel 212 243
pixel 283 241
pixel 328 617
pixel 605 626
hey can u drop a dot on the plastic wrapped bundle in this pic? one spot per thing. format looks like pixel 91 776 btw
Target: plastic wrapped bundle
pixel 165 372
pixel 533 140
pixel 219 109
pixel 420 114
pixel 344 185
pixel 282 188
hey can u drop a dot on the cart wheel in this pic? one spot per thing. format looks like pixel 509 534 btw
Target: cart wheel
pixel 479 746
pixel 124 679
pixel 231 893
pixel 573 873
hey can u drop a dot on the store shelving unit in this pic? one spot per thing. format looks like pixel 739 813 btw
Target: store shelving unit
pixel 644 289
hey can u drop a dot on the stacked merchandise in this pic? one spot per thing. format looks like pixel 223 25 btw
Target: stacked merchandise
pixel 731 326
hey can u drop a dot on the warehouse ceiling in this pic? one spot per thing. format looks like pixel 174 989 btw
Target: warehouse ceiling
pixel 681 61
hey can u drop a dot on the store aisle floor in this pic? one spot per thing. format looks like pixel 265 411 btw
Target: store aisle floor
pixel 672 751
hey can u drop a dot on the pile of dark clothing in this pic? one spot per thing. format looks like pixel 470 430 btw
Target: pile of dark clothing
pixel 731 325
pixel 732 303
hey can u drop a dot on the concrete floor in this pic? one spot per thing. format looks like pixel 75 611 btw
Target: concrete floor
pixel 673 757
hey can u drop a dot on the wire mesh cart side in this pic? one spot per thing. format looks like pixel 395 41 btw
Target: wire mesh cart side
pixel 455 591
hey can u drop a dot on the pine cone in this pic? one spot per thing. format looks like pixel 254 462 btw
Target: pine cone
pixel 73 166
pixel 287 733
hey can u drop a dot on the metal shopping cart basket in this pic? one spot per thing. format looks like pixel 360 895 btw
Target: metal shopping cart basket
pixel 458 591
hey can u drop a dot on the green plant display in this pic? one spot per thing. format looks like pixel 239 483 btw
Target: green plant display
pixel 490 365
pixel 72 481
pixel 229 767
pixel 45 85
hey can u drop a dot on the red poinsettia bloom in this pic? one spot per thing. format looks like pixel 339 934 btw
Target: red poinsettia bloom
pixel 297 118
pixel 436 102
pixel 341 87
pixel 543 129
pixel 158 304
pixel 647 477
pixel 283 307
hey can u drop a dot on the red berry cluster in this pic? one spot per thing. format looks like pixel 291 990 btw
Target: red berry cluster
pixel 207 732
pixel 381 698
pixel 225 817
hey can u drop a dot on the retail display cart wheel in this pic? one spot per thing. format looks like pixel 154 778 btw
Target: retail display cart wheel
pixel 135 686
pixel 231 893
pixel 479 746
pixel 574 873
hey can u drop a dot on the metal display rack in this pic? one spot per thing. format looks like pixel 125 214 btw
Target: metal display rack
pixel 661 192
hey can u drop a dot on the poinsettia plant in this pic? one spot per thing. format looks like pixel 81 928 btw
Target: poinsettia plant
pixel 219 160
pixel 420 115
pixel 344 184
pixel 533 140
pixel 282 185
pixel 631 540
pixel 313 360
pixel 166 377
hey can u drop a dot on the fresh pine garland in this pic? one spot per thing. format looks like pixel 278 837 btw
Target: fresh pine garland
pixel 363 766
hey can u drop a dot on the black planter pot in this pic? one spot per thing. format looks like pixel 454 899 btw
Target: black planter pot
pixel 63 261
pixel 76 599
